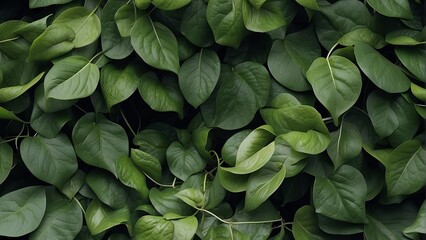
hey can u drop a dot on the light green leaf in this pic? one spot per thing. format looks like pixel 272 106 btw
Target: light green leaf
pixel 418 92
pixel 162 96
pixel 346 144
pixel 310 4
pixel 419 225
pixel 125 18
pixel 305 225
pixel 33 29
pixel 63 219
pixel 392 8
pixel 170 4
pixel 267 17
pixel 6 160
pixel 100 217
pixel 194 25
pixel 230 148
pixel 107 188
pixel 289 59
pixel 153 227
pixel 130 176
pixel 86 25
pixel 99 142
pixel 155 44
pixel 405 37
pixel 202 141
pixel 118 84
pixel 51 160
pixel 10 93
pixel 229 107
pixel 336 82
pixel 226 21
pixel 71 78
pixel 183 160
pixel 49 124
pixel 262 184
pixel 383 73
pixel 185 228
pixel 310 142
pixel 45 3
pixel 165 201
pixel 191 196
pixel 342 195
pixel 414 59
pixel 362 34
pixel 55 41
pixel 6 114
pixel 404 169
pixel 21 211
pixel 149 164
pixel 198 76
pixel 114 46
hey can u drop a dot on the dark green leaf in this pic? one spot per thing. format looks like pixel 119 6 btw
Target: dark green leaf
pixel 392 8
pixel 45 3
pixel 305 225
pixel 414 59
pixel 130 176
pixel 6 160
pixel 100 217
pixel 194 25
pixel 149 164
pixel 153 227
pixel 184 161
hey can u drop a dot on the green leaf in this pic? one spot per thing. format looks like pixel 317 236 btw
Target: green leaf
pixel 226 21
pixel 257 3
pixel 336 82
pixel 33 29
pixel 419 225
pixel 170 4
pixel 63 219
pixel 404 169
pixel 362 34
pixel 194 25
pixel 225 231
pixel 229 107
pixel 262 184
pixel 55 41
pixel 73 185
pixel 71 78
pixel 6 160
pixel 155 44
pixel 6 114
pixel 418 92
pixel 118 84
pixel 230 148
pixel 342 195
pixel 51 160
pixel 310 4
pixel 165 201
pixel 149 164
pixel 405 37
pixel 45 3
pixel 21 211
pixel 161 96
pixel 49 124
pixel 289 59
pixel 183 160
pixel 332 226
pixel 185 228
pixel 310 142
pixel 383 116
pixel 9 93
pixel 153 142
pixel 346 144
pixel 50 105
pixel 414 59
pixel 202 141
pixel 125 18
pixel 392 8
pixel 383 73
pixel 192 197
pixel 267 17
pixel 100 217
pixel 305 225
pixel 99 142
pixel 130 176
pixel 198 76
pixel 153 227
pixel 107 188
pixel 114 46
pixel 86 25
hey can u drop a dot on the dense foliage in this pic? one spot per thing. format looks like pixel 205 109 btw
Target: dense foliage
pixel 219 119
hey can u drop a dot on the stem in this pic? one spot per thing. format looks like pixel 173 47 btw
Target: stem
pixel 327 119
pixel 96 55
pixel 331 50
pixel 8 40
pixel 79 204
pixel 160 184
pixel 79 108
pixel 238 223
pixel 127 123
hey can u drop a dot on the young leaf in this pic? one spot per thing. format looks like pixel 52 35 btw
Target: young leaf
pixel 305 225
pixel 100 217
pixel 86 25
pixel 130 176
pixel 6 114
pixel 51 160
pixel 153 227
pixel 55 41
pixel 383 73
pixel 191 196
pixel 155 44
pixel 162 96
pixel 346 144
pixel 365 35
pixel 71 78
pixel 10 93
pixel 342 195
pixel 336 82
pixel 6 160
pixel 21 211
pixel 194 25
pixel 99 142
pixel 230 148
pixel 149 164
pixel 310 142
pixel 198 76
pixel 405 37
pixel 404 169
pixel 226 20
